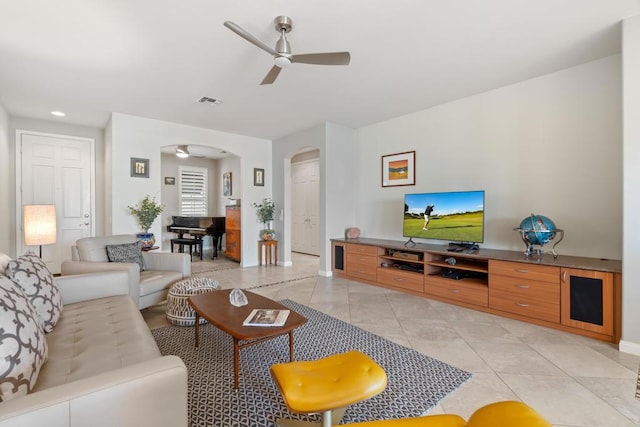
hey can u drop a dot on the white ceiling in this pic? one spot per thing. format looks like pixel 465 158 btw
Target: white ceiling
pixel 155 58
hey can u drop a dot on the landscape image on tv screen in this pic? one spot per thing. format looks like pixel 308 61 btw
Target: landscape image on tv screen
pixel 454 216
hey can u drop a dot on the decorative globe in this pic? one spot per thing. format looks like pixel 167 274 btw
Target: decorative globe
pixel 538 229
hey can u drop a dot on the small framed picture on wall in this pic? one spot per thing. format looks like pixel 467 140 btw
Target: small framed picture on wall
pixel 139 167
pixel 226 184
pixel 258 177
pixel 399 169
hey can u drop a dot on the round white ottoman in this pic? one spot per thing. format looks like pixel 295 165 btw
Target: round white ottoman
pixel 178 311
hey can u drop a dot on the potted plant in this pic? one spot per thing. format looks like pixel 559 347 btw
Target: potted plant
pixel 265 212
pixel 146 212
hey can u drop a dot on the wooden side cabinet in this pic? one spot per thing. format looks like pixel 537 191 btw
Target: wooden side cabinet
pixel 587 300
pixel 233 245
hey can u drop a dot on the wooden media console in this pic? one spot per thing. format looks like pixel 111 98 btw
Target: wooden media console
pixel 574 294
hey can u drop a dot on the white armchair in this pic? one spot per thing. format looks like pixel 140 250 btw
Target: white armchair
pixel 146 287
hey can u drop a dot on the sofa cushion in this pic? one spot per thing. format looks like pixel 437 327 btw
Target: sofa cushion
pixel 96 336
pixel 30 272
pixel 126 252
pixel 94 248
pixel 23 348
pixel 157 280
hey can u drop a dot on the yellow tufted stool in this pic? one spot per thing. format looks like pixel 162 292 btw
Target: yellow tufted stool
pixel 327 385
pixel 499 414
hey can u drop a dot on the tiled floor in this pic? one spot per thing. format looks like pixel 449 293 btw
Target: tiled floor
pixel 570 380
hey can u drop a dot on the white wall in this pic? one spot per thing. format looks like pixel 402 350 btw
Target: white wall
pixel 335 144
pixel 551 145
pixel 133 136
pixel 6 174
pixel 631 113
pixel 339 187
pixel 232 164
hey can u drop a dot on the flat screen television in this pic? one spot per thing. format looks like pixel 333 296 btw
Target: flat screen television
pixel 454 216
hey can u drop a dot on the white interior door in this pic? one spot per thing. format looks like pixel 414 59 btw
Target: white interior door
pixel 305 201
pixel 56 169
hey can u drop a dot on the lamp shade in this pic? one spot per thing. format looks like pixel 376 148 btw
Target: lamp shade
pixel 39 222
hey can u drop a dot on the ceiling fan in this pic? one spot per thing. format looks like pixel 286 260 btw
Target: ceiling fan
pixel 183 152
pixel 282 53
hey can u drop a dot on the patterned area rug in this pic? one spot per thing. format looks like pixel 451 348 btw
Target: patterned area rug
pixel 219 264
pixel 638 386
pixel 415 382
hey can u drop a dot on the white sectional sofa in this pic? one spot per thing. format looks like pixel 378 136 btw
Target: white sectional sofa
pixel 147 287
pixel 103 366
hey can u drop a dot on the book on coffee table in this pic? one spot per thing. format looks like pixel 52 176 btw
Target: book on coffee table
pixel 266 317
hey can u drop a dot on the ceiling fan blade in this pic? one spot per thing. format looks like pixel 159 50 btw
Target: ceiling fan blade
pixel 328 58
pixel 248 37
pixel 271 75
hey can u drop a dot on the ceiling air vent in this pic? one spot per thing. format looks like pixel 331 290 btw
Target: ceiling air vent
pixel 211 101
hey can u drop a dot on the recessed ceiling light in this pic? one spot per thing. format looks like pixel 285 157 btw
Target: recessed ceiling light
pixel 58 113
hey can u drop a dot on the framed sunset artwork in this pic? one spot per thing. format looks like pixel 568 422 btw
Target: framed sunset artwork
pixel 399 169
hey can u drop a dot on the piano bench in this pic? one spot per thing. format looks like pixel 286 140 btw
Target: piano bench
pixel 188 242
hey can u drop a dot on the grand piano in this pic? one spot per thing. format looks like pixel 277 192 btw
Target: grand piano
pixel 198 227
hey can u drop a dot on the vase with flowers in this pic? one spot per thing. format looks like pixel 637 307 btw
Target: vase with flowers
pixel 265 212
pixel 146 213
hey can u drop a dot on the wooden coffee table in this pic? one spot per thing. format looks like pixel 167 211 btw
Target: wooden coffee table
pixel 217 310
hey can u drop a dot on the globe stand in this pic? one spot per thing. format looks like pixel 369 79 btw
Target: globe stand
pixel 531 250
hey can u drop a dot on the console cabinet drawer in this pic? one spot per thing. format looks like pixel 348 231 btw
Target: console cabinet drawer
pixel 362 249
pixel 362 266
pixel 401 279
pixel 538 300
pixel 525 271
pixel 472 293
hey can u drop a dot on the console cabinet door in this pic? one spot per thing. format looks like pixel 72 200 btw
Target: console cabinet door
pixel 339 259
pixel 587 300
pixel 233 238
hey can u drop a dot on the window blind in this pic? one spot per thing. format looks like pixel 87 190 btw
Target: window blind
pixel 193 191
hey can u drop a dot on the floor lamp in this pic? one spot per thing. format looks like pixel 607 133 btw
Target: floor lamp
pixel 39 225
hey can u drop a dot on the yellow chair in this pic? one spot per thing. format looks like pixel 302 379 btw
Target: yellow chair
pixel 499 414
pixel 327 385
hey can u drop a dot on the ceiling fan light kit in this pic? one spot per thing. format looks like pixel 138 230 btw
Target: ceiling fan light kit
pixel 182 151
pixel 282 53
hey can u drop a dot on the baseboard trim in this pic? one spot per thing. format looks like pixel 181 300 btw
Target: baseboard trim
pixel 629 347
pixel 325 273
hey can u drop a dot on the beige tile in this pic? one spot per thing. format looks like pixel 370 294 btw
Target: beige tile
pixel 619 393
pixel 456 353
pixel 515 358
pixel 562 400
pixel 474 331
pixel 418 330
pixel 480 390
pixel 582 361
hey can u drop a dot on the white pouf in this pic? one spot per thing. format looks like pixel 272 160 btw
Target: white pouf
pixel 179 312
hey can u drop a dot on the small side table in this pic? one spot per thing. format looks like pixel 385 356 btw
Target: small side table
pixel 269 246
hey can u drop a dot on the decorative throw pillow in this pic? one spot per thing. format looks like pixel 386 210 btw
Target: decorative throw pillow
pixel 31 273
pixel 126 252
pixel 23 348
pixel 4 261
